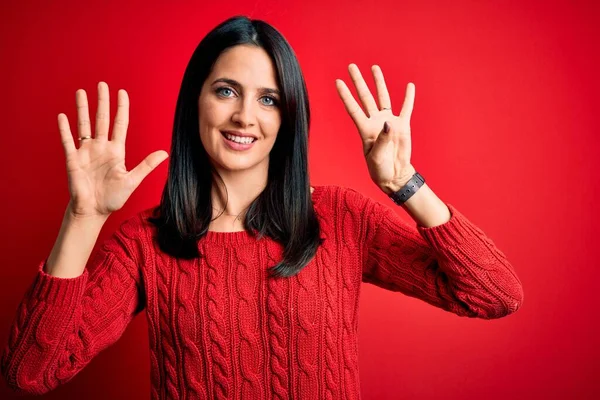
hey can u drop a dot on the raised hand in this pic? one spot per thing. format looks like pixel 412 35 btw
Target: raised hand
pixel 99 183
pixel 387 152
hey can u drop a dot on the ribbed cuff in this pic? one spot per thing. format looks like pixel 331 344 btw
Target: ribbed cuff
pixel 60 291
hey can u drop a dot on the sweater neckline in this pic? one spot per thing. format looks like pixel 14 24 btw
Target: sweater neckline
pixel 241 237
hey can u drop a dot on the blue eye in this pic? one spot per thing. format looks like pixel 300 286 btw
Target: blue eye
pixel 226 92
pixel 273 101
pixel 223 89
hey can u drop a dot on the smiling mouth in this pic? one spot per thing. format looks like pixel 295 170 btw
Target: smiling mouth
pixel 232 138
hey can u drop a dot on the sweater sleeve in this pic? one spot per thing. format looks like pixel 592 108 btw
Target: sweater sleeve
pixel 453 266
pixel 62 323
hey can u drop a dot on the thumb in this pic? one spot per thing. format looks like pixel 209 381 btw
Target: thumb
pixel 384 137
pixel 146 166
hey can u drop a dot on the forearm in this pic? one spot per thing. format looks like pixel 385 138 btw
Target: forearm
pixel 73 246
pixel 426 208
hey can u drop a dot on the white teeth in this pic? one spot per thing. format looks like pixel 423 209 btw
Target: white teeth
pixel 238 139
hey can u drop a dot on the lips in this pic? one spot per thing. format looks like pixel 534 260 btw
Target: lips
pixel 240 134
pixel 235 145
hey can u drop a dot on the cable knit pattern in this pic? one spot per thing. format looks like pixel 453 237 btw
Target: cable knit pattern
pixel 454 266
pixel 351 279
pixel 187 287
pixel 219 328
pixel 250 358
pixel 331 282
pixel 60 326
pixel 278 326
pixel 217 263
pixel 169 359
pixel 306 319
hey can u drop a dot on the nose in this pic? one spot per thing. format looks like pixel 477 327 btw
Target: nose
pixel 244 114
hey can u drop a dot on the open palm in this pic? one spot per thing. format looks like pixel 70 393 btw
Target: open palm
pixel 99 182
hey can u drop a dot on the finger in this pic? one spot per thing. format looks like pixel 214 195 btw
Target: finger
pixel 383 95
pixel 364 94
pixel 119 133
pixel 409 101
pixel 146 166
pixel 66 137
pixel 103 112
pixel 83 114
pixel 352 107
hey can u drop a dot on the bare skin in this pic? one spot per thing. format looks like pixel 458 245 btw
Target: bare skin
pixel 99 183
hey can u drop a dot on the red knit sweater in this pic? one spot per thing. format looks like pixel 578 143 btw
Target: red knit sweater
pixel 219 329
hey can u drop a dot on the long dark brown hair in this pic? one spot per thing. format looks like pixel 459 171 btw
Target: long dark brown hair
pixel 284 210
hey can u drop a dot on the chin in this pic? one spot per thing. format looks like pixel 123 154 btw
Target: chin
pixel 231 162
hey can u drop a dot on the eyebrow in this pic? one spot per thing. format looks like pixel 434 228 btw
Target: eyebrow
pixel 236 84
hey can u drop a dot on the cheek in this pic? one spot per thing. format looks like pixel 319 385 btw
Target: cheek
pixel 270 125
pixel 209 116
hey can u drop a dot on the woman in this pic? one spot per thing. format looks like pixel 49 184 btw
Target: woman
pixel 250 277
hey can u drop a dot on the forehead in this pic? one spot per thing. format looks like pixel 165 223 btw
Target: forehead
pixel 250 65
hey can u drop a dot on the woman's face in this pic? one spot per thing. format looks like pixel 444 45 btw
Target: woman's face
pixel 238 109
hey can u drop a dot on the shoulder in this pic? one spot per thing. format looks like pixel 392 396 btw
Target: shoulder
pixel 348 214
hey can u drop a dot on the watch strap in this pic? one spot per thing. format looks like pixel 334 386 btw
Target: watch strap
pixel 406 191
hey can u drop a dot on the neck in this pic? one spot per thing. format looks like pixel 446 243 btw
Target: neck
pixel 237 191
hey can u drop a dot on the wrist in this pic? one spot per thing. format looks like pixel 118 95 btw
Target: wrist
pixel 408 189
pixel 73 218
pixel 395 185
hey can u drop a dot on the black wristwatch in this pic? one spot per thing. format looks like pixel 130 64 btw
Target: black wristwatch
pixel 408 190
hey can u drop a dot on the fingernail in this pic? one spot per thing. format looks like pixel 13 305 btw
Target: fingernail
pixel 386 127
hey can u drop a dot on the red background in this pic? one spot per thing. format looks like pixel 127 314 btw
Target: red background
pixel 504 128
